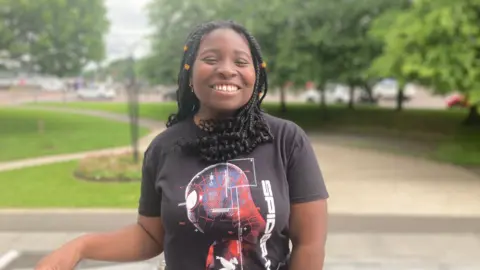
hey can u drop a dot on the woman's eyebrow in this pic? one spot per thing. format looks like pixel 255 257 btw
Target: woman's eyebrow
pixel 217 51
pixel 209 50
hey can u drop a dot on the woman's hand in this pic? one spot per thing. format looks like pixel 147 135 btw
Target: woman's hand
pixel 65 258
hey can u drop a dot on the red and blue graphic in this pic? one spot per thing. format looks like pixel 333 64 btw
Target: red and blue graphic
pixel 219 204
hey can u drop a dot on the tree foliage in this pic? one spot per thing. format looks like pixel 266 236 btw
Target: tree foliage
pixel 434 43
pixel 57 37
pixel 429 42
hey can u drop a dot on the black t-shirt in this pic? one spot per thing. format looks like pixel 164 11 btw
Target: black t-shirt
pixel 232 215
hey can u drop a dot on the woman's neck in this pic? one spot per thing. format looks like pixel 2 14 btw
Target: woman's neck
pixel 203 116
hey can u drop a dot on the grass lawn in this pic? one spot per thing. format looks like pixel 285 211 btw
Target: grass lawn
pixel 26 133
pixel 441 129
pixel 55 186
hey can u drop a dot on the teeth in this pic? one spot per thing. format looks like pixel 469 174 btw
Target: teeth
pixel 226 88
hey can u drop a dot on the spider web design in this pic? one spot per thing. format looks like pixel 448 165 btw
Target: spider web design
pixel 219 204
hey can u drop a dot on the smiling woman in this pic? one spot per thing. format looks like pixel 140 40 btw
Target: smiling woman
pixel 243 184
pixel 227 67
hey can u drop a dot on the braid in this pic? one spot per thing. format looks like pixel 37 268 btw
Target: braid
pixel 229 138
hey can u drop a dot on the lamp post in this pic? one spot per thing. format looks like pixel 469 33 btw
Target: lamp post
pixel 133 100
pixel 132 97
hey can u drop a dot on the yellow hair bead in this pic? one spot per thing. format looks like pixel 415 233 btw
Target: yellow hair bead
pixel 187 66
pixel 185 48
pixel 264 65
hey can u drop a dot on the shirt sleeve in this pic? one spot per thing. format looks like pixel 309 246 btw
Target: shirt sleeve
pixel 150 198
pixel 305 179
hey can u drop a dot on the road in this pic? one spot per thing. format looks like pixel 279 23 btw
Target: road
pixel 422 99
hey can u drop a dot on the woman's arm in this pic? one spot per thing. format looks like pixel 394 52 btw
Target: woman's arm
pixel 137 242
pixel 308 232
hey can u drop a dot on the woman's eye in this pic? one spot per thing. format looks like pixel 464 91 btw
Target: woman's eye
pixel 241 63
pixel 210 60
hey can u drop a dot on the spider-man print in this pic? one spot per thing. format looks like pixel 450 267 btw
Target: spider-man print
pixel 219 204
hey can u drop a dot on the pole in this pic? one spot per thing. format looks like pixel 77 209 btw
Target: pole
pixel 132 95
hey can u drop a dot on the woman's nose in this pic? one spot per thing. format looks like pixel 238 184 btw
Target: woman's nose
pixel 227 70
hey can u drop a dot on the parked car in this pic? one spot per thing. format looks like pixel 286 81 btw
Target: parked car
pixel 337 94
pixel 96 92
pixel 51 85
pixel 169 95
pixel 6 83
pixel 456 101
pixel 388 89
pixel 333 94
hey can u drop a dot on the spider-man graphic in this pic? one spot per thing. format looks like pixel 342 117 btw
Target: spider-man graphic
pixel 219 204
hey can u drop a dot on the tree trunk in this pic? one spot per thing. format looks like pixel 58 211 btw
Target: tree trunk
pixel 351 99
pixel 473 117
pixel 283 102
pixel 323 102
pixel 368 90
pixel 400 99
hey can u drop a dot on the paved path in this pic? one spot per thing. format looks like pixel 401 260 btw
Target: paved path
pixel 365 181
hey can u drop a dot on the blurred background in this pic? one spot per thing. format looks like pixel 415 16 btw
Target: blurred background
pixel 388 91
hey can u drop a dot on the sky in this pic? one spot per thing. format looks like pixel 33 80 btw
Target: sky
pixel 128 25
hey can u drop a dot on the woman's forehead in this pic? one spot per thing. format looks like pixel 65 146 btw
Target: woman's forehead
pixel 224 38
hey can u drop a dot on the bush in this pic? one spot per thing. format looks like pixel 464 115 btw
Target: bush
pixel 110 168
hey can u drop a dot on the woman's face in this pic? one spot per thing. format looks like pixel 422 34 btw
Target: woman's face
pixel 223 74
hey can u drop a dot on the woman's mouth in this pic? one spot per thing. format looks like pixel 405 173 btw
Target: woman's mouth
pixel 225 88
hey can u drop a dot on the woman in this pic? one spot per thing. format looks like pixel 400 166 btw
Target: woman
pixel 225 186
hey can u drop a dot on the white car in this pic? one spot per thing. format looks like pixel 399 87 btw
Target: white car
pixel 51 85
pixel 335 94
pixel 96 92
pixel 388 89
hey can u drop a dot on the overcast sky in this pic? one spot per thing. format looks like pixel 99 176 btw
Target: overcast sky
pixel 128 24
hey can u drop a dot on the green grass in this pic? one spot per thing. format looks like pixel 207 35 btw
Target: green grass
pixel 156 111
pixel 55 186
pixel 27 133
pixel 442 130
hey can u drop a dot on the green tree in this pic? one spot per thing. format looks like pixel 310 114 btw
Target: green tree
pixel 435 43
pixel 59 37
pixel 339 37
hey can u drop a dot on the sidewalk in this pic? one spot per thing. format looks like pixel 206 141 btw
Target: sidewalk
pixel 344 251
pixel 364 182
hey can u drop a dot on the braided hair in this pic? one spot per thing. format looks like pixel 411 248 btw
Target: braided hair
pixel 228 138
